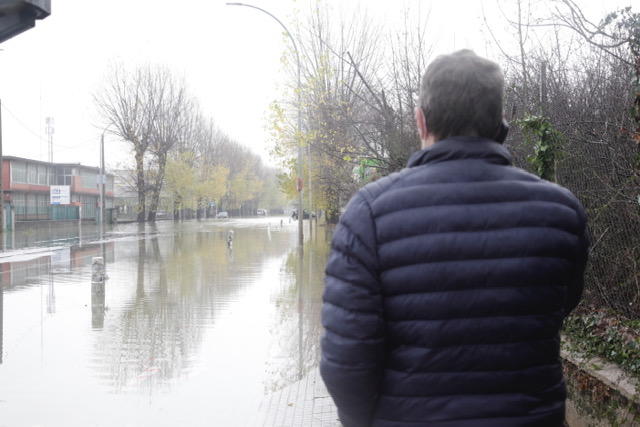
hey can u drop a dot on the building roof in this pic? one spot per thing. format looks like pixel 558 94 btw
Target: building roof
pixel 24 159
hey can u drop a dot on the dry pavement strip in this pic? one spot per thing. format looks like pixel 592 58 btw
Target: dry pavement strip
pixel 304 403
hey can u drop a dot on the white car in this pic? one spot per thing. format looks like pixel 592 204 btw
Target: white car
pixel 223 214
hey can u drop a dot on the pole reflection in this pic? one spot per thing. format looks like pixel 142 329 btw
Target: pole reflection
pixel 299 284
pixel 142 254
pixel 97 304
pixel 51 294
pixel 1 319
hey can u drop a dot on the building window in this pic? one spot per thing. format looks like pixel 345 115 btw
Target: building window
pixel 19 172
pixel 43 175
pixel 64 176
pixel 32 173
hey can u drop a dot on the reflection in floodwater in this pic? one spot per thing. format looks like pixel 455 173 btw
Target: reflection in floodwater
pixel 1 319
pixel 42 234
pixel 98 278
pixel 183 321
pixel 299 303
pixel 51 294
pixel 97 304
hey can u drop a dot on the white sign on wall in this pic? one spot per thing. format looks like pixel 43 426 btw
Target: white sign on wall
pixel 60 194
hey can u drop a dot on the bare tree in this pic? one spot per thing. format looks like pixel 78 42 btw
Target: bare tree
pixel 128 106
pixel 172 124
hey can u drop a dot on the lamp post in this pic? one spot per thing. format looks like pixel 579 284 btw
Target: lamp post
pixel 102 180
pixel 299 130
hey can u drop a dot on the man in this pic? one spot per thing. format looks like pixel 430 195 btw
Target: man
pixel 448 282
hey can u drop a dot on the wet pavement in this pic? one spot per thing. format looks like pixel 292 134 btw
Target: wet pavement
pixel 184 332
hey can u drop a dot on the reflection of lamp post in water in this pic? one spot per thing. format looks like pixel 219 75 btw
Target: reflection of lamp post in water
pixel 300 309
pixel 51 295
pixel 97 292
pixel 299 128
pixel 1 316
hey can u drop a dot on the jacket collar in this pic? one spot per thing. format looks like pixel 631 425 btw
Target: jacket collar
pixel 462 147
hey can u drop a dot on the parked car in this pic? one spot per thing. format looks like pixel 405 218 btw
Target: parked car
pixel 305 214
pixel 162 215
pixel 223 215
pixel 262 212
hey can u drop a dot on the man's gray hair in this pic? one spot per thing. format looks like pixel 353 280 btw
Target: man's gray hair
pixel 461 94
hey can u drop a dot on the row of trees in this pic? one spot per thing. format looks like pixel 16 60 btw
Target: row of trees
pixel 566 77
pixel 180 156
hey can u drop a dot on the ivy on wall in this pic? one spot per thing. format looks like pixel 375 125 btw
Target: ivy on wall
pixel 546 142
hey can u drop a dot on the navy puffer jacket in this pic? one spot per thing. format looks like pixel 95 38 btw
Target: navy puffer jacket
pixel 446 287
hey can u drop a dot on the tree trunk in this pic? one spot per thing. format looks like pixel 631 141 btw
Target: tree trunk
pixel 140 186
pixel 176 209
pixel 157 188
pixel 199 209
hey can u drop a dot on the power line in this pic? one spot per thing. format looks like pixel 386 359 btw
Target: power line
pixel 36 134
pixel 21 123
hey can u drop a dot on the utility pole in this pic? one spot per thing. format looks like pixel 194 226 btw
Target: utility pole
pixel 543 87
pixel 311 212
pixel 102 180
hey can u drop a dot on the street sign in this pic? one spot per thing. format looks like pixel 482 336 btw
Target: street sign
pixel 60 194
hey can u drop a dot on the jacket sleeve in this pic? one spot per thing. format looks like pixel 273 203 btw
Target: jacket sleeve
pixel 353 342
pixel 576 286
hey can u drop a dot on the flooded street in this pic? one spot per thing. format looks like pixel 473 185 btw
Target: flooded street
pixel 185 330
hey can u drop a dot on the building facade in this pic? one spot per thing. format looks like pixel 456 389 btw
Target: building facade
pixel 26 185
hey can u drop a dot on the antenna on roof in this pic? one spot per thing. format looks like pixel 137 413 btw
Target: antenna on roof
pixel 49 129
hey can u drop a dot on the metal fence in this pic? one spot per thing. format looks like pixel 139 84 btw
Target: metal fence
pixel 602 174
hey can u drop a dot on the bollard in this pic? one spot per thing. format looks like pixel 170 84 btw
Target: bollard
pixel 97 269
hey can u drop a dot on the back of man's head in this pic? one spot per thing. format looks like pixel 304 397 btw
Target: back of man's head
pixel 461 94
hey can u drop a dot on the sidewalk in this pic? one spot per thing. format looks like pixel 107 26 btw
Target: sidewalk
pixel 305 403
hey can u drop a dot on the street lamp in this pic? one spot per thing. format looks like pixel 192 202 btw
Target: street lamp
pixel 299 180
pixel 102 180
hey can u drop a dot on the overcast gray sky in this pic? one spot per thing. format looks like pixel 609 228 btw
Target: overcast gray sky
pixel 229 56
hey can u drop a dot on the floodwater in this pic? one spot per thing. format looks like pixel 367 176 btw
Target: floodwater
pixel 185 330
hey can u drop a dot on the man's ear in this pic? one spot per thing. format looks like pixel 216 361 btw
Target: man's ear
pixel 421 124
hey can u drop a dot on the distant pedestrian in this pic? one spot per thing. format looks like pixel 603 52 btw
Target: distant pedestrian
pixel 448 282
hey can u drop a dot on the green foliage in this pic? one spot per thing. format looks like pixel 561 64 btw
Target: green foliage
pixel 624 25
pixel 243 186
pixel 211 185
pixel 598 334
pixel 546 142
pixel 181 178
